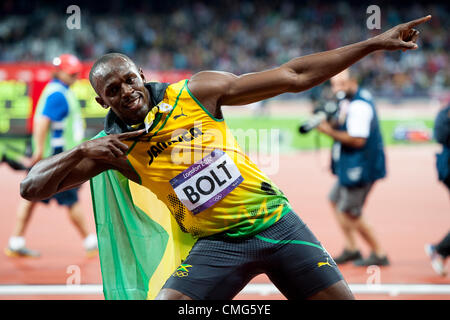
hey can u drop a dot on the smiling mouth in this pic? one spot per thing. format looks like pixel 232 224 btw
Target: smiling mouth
pixel 133 103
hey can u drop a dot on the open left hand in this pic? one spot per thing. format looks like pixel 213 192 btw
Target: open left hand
pixel 402 36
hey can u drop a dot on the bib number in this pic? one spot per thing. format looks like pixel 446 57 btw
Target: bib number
pixel 207 181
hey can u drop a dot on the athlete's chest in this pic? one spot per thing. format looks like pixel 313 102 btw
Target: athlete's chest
pixel 180 139
pixel 192 163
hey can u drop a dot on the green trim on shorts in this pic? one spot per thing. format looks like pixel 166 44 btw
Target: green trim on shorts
pixel 306 243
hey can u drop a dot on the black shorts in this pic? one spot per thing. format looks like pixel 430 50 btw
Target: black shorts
pixel 218 268
pixel 65 198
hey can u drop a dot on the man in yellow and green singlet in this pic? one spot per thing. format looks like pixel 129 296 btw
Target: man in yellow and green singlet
pixel 173 140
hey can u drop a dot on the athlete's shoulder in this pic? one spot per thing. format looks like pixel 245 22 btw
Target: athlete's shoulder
pixel 176 87
pixel 179 84
pixel 211 82
pixel 160 89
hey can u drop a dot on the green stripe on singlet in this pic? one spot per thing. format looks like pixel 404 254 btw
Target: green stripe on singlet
pixel 306 243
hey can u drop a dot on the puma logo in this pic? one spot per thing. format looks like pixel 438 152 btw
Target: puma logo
pixel 180 115
pixel 320 264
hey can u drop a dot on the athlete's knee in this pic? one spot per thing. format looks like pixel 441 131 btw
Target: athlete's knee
pixel 170 294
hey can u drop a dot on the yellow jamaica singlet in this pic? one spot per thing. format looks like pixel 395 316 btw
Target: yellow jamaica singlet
pixel 192 162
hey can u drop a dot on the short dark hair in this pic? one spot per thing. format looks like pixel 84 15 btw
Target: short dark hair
pixel 103 60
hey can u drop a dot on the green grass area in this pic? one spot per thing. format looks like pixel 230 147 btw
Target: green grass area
pixel 260 133
pixel 291 139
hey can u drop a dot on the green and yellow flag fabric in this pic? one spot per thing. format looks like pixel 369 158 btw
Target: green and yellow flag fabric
pixel 140 243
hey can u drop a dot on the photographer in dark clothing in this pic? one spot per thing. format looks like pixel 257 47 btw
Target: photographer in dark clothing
pixel 439 252
pixel 358 161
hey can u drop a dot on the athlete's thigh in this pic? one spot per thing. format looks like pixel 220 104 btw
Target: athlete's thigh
pixel 170 294
pixel 300 267
pixel 214 269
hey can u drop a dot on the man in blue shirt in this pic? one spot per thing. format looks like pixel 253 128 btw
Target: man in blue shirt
pixel 57 127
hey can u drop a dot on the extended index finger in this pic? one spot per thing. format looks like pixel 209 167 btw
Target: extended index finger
pixel 416 22
pixel 131 134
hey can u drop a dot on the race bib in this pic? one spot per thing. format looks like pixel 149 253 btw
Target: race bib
pixel 207 181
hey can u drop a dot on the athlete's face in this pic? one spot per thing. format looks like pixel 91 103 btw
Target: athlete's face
pixel 120 86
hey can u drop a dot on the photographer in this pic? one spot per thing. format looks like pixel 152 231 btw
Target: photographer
pixel 439 252
pixel 358 160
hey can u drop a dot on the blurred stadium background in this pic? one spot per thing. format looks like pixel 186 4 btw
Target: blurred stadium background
pixel 172 40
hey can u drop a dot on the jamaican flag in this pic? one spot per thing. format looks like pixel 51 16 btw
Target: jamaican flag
pixel 140 243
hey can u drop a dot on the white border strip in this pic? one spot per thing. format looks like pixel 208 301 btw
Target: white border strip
pixel 390 289
pixel 263 289
pixel 58 289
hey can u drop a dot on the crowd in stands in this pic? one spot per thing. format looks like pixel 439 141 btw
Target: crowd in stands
pixel 235 36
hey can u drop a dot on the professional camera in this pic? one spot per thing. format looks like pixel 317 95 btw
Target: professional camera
pixel 325 110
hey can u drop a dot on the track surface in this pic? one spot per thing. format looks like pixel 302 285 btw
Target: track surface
pixel 407 209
